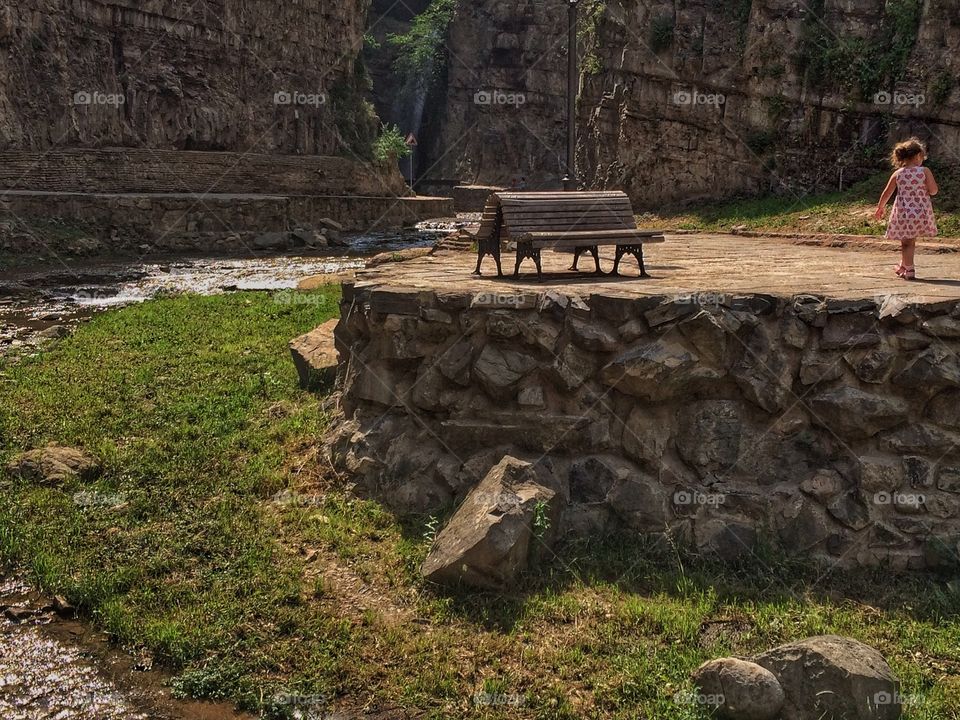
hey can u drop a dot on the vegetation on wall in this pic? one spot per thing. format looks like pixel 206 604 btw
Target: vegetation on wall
pixel 589 36
pixel 661 32
pixel 390 145
pixel 422 50
pixel 861 65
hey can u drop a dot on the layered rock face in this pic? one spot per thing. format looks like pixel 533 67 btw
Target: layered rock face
pixel 827 427
pixel 695 99
pixel 222 75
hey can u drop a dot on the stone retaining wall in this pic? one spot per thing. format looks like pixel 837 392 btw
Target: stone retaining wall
pixel 827 427
pixel 133 170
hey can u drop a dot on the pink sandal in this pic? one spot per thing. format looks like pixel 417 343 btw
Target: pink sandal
pixel 900 270
pixel 909 273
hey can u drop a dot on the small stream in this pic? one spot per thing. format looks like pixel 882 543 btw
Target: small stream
pixel 39 304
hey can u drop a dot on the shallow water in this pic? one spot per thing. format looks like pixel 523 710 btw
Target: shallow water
pixel 47 302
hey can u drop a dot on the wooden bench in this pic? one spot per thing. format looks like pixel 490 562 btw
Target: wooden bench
pixel 565 221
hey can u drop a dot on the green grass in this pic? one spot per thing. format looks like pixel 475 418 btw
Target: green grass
pixel 192 404
pixel 849 212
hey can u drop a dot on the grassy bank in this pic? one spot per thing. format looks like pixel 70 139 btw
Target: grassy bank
pixel 849 212
pixel 285 602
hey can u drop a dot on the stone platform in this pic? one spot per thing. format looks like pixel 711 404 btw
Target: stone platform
pixel 752 392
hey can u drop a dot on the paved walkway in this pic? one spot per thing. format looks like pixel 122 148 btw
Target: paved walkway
pixel 700 263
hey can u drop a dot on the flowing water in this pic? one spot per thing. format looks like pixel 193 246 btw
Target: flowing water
pixel 38 304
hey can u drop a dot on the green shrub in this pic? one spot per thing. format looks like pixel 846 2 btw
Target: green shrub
pixel 661 33
pixel 391 145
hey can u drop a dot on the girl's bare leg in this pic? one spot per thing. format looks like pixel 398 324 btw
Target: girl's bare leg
pixel 908 251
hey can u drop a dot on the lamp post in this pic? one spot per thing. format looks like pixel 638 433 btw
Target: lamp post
pixel 570 179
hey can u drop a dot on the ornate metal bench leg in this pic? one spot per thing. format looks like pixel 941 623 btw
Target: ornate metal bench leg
pixel 595 251
pixel 577 252
pixel 621 249
pixel 496 256
pixel 643 267
pixel 479 260
pixel 536 259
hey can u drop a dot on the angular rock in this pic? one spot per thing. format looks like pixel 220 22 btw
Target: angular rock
pixel 499 370
pixel 593 335
pixel 572 367
pixel 918 471
pixel 633 330
pixel 944 409
pixel 935 369
pixel 948 479
pixel 54 465
pixel 818 367
pixel 833 677
pixel 748 691
pixel 880 474
pixel 873 366
pixel 455 362
pixel 668 311
pixel 642 503
pixel 922 438
pixel 592 478
pixel 503 325
pixel 765 373
pixel 824 485
pixel 802 525
pixel 657 371
pixel 793 331
pixel 542 333
pixel 532 397
pixel 942 326
pixel 315 356
pixel 726 538
pixel 708 336
pixel 850 412
pixel 646 435
pixel 849 510
pixel 487 542
pixel 844 332
pixel 709 435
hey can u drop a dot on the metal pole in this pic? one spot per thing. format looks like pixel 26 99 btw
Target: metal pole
pixel 570 181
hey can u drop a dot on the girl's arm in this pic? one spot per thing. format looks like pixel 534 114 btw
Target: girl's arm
pixel 931 182
pixel 885 198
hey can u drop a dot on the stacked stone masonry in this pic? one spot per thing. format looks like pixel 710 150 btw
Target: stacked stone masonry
pixel 830 428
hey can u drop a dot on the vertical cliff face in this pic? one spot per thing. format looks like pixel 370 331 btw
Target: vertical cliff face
pixel 274 77
pixel 697 99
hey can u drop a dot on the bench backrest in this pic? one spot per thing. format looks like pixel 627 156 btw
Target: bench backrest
pixel 516 213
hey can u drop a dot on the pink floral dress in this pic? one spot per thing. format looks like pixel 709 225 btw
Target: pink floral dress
pixel 912 215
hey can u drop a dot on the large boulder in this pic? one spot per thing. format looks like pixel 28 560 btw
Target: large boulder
pixel 487 541
pixel 743 690
pixel 833 678
pixel 315 356
pixel 54 465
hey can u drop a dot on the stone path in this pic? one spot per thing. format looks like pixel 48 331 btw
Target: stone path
pixel 702 263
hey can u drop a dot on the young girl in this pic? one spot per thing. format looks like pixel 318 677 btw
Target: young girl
pixel 912 215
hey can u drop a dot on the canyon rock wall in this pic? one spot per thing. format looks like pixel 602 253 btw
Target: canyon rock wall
pixel 730 423
pixel 699 99
pixel 232 75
